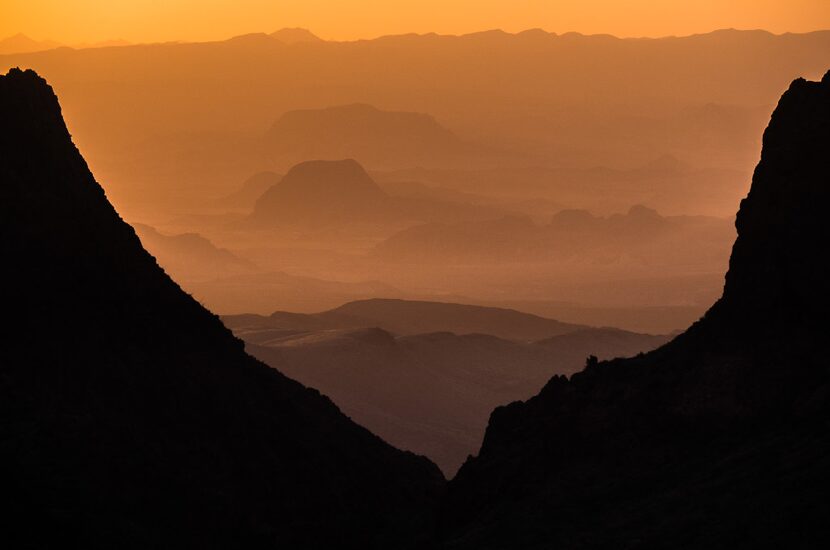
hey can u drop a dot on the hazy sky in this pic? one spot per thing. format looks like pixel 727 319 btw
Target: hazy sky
pixel 159 20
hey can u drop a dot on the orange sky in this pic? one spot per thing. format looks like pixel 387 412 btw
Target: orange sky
pixel 73 21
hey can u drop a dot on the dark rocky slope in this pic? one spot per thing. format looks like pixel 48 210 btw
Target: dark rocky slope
pixel 130 417
pixel 431 393
pixel 717 440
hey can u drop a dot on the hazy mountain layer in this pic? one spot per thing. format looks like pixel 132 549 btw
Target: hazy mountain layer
pixel 431 393
pixel 189 256
pixel 410 317
pixel 425 375
pixel 318 195
pixel 163 120
pixel 718 439
pixel 641 235
pixel 381 139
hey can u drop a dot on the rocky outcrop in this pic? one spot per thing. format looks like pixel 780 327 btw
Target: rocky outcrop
pixel 130 417
pixel 718 439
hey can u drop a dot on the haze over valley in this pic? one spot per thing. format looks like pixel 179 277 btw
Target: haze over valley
pixel 524 184
pixel 383 279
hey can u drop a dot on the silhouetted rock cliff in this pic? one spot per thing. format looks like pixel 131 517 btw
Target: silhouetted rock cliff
pixel 776 277
pixel 130 417
pixel 720 438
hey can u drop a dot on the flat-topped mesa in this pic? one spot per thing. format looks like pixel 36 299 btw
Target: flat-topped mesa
pixel 322 192
pixel 295 36
pixel 379 139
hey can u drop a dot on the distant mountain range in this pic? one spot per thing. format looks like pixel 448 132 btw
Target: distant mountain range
pixel 640 235
pixel 190 256
pixel 665 182
pixel 410 317
pixel 20 43
pixel 376 138
pixel 261 291
pixel 560 103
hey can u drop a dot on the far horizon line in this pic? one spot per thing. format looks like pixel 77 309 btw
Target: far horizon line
pixel 92 43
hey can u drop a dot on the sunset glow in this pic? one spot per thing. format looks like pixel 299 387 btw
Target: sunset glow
pixel 415 274
pixel 198 20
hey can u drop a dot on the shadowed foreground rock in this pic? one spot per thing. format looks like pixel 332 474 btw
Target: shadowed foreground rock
pixel 130 417
pixel 719 439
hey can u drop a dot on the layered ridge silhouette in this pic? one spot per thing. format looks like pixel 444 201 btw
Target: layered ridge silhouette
pixel 316 195
pixel 197 112
pixel 426 375
pixel 641 233
pixel 190 255
pixel 131 417
pixel 410 317
pixel 20 43
pixel 718 439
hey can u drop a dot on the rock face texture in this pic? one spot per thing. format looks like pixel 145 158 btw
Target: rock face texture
pixel 130 417
pixel 720 438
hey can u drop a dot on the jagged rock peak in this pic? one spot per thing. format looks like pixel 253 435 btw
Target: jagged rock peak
pixel 130 416
pixel 775 272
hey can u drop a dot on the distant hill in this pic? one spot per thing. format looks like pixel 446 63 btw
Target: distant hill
pixel 323 193
pixel 319 194
pixel 641 234
pixel 261 292
pixel 295 36
pixel 378 139
pixel 663 182
pixel 20 43
pixel 408 317
pixel 190 256
pixel 131 417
